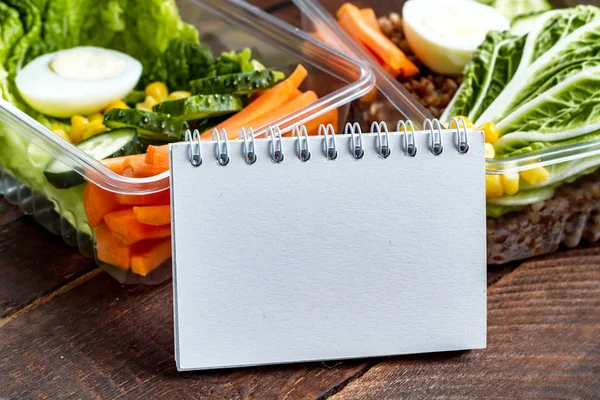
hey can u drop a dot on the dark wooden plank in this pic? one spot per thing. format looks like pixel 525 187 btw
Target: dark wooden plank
pixel 33 263
pixel 105 340
pixel 543 342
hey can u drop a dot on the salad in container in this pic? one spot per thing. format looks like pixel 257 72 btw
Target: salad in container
pixel 527 73
pixel 93 93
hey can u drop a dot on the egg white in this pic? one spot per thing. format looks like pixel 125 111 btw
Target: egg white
pixel 54 95
pixel 444 33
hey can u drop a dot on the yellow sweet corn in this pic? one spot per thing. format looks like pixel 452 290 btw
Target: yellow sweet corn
pixel 489 150
pixel 79 126
pixel 115 104
pixel 490 132
pixel 158 90
pixel 59 130
pixel 510 182
pixel 180 94
pixel 493 186
pixel 147 104
pixel 95 117
pixel 468 122
pixel 535 176
pixel 94 128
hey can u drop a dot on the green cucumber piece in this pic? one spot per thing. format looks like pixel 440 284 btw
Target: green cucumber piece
pixel 244 83
pixel 116 143
pixel 134 97
pixel 201 106
pixel 149 125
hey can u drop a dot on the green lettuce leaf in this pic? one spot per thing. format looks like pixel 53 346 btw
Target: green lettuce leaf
pixel 513 8
pixel 493 65
pixel 11 30
pixel 29 45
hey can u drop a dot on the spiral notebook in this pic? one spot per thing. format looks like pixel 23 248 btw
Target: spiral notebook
pixel 311 248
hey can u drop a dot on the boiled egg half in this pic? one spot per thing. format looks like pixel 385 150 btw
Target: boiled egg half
pixel 444 33
pixel 77 81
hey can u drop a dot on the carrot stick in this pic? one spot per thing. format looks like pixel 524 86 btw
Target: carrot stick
pixel 128 230
pixel 141 169
pixel 153 215
pixel 158 156
pixel 285 109
pixel 368 15
pixel 388 68
pixel 154 199
pixel 266 103
pixel 97 202
pixel 115 164
pixel 145 262
pixel 351 20
pixel 330 117
pixel 110 250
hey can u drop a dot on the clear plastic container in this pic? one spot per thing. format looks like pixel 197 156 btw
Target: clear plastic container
pixel 569 213
pixel 336 78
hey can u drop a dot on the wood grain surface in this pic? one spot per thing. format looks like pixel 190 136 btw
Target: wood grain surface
pixel 69 331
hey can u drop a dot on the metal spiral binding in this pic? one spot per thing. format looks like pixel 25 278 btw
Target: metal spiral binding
pixel 249 154
pixel 410 146
pixel 436 140
pixel 303 151
pixel 384 150
pixel 222 149
pixel 384 146
pixel 330 151
pixel 357 150
pixel 462 138
pixel 195 150
pixel 277 154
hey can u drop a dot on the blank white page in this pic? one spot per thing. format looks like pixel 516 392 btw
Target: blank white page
pixel 323 260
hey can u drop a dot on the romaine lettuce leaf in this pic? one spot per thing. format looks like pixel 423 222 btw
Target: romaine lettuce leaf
pixel 513 8
pixel 11 30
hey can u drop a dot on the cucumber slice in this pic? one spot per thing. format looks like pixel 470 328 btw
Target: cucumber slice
pixel 244 83
pixel 134 97
pixel 149 125
pixel 116 143
pixel 201 106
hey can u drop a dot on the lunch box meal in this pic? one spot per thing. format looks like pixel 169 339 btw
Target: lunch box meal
pixel 525 73
pixel 93 93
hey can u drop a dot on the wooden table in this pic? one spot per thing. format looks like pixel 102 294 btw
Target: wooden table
pixel 68 330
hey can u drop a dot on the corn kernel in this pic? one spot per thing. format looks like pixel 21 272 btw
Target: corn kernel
pixel 158 90
pixel 490 132
pixel 180 94
pixel 468 122
pixel 489 150
pixel 59 130
pixel 493 187
pixel 94 128
pixel 535 176
pixel 79 126
pixel 95 117
pixel 116 104
pixel 510 182
pixel 147 104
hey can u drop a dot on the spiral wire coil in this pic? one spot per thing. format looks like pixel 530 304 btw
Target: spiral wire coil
pixel 357 151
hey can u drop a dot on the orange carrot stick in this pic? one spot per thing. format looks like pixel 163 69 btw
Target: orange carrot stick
pixel 145 262
pixel 368 15
pixel 128 230
pixel 330 117
pixel 158 156
pixel 266 103
pixel 110 250
pixel 351 20
pixel 141 169
pixel 153 215
pixel 115 164
pixel 154 199
pixel 98 202
pixel 301 101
